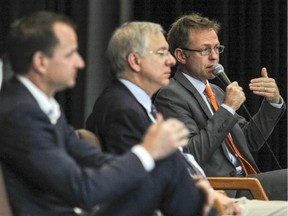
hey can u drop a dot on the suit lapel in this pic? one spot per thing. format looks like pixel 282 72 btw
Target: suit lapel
pixel 26 95
pixel 123 88
pixel 188 85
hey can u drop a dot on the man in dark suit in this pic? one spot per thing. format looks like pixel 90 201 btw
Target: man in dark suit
pixel 49 171
pixel 122 114
pixel 194 42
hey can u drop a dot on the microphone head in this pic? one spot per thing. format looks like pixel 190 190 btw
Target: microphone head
pixel 217 69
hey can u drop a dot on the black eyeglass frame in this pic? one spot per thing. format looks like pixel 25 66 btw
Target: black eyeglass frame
pixel 206 51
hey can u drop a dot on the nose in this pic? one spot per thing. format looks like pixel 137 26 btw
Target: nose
pixel 171 60
pixel 214 54
pixel 80 62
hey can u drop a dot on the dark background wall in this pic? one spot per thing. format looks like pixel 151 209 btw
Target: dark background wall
pixel 254 33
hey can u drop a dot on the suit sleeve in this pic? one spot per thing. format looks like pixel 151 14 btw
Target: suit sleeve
pixel 208 133
pixel 55 163
pixel 258 130
pixel 122 129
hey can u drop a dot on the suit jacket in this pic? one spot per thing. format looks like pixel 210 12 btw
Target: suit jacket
pixel 208 132
pixel 118 119
pixel 48 171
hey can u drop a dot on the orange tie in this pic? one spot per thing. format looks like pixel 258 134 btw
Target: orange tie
pixel 247 167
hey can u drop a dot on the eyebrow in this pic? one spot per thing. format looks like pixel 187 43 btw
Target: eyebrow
pixel 210 44
pixel 163 48
pixel 71 52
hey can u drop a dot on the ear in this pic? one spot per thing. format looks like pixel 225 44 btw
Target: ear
pixel 180 55
pixel 39 62
pixel 134 62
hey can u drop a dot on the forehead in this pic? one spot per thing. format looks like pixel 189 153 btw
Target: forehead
pixel 157 41
pixel 65 34
pixel 202 37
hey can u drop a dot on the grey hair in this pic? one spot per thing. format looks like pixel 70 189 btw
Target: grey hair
pixel 129 37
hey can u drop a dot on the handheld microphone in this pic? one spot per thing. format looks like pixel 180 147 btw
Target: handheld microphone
pixel 218 71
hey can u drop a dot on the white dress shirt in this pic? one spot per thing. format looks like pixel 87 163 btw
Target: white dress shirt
pixel 48 105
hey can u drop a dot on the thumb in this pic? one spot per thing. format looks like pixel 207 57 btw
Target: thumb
pixel 159 118
pixel 264 73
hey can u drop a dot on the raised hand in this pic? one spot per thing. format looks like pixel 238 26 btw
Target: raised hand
pixel 266 87
pixel 164 137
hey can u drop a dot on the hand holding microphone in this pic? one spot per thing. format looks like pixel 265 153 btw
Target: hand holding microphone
pixel 234 95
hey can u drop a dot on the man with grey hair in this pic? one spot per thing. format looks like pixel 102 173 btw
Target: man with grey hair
pixel 140 59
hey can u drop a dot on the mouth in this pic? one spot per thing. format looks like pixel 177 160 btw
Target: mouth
pixel 168 73
pixel 210 67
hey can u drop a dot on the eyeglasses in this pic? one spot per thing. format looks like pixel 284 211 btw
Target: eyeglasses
pixel 161 52
pixel 207 51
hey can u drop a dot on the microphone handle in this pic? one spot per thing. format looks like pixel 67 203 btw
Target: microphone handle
pixel 223 78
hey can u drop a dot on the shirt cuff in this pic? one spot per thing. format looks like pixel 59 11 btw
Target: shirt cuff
pixel 229 109
pixel 144 156
pixel 276 105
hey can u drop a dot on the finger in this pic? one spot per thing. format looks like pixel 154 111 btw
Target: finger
pixel 182 131
pixel 234 83
pixel 157 125
pixel 159 117
pixel 183 142
pixel 197 178
pixel 264 72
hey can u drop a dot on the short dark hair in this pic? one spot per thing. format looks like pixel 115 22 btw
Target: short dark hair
pixel 178 35
pixel 31 34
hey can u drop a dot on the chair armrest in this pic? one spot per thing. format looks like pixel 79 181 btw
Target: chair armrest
pixel 237 183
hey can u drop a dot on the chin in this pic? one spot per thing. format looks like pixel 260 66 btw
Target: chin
pixel 166 82
pixel 68 86
pixel 72 83
pixel 210 76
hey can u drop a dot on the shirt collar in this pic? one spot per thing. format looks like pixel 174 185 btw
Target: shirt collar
pixel 200 86
pixel 140 95
pixel 48 105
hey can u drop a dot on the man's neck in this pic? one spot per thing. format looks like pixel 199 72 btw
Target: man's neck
pixel 37 81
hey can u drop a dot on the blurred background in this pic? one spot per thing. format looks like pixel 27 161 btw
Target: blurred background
pixel 254 33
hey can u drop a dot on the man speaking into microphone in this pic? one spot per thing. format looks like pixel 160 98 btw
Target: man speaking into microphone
pixel 220 139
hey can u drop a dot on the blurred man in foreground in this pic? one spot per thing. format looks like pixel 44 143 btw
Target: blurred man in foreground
pixel 49 171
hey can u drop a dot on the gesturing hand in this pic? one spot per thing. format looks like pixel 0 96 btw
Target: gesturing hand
pixel 164 137
pixel 266 87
